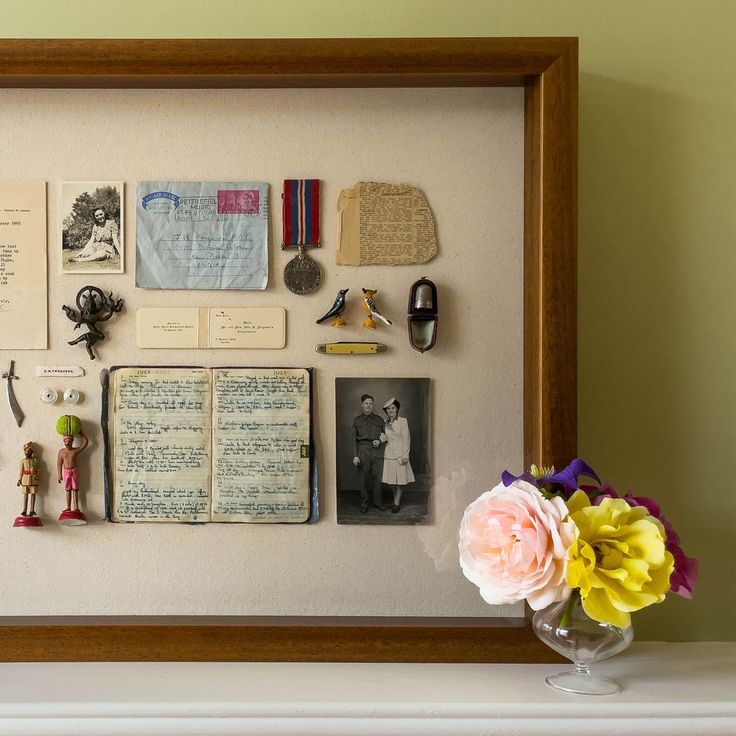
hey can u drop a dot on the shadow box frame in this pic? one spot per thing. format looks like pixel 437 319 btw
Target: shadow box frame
pixel 547 69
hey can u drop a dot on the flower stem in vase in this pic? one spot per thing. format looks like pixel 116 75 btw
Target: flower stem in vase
pixel 571 603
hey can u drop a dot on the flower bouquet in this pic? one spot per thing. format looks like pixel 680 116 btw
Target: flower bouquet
pixel 580 555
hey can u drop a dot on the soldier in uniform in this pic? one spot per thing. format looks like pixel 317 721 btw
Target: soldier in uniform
pixel 368 440
pixel 28 479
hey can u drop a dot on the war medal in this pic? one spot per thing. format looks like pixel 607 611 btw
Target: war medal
pixel 300 199
pixel 302 274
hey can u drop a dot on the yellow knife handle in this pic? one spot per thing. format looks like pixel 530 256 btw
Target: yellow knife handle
pixel 351 348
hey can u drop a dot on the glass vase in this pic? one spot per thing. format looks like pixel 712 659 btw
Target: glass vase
pixel 572 633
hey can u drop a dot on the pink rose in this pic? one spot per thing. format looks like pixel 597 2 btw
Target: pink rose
pixel 513 544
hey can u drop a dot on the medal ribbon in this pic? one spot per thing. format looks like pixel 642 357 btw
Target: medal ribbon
pixel 301 213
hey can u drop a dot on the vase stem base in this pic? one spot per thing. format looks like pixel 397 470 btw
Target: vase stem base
pixel 583 683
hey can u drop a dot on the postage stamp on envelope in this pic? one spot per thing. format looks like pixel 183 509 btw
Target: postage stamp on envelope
pixel 238 202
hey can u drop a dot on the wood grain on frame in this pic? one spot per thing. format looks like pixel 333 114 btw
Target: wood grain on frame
pixel 268 639
pixel 547 69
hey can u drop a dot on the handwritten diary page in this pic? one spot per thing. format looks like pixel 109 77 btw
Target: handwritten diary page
pixel 23 295
pixel 160 435
pixel 260 445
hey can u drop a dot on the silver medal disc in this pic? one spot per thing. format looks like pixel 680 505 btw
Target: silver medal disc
pixel 302 274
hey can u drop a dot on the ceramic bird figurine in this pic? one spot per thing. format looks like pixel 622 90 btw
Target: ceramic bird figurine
pixel 370 306
pixel 336 310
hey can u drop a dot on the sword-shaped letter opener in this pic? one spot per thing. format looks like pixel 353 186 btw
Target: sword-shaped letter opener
pixel 9 376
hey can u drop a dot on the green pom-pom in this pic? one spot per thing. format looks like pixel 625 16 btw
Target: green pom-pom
pixel 69 425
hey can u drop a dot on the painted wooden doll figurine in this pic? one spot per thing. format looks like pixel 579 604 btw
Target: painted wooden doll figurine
pixel 66 465
pixel 28 481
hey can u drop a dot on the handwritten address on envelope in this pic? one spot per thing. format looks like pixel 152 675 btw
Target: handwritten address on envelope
pixel 202 235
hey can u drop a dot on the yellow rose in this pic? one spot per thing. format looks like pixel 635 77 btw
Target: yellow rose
pixel 619 560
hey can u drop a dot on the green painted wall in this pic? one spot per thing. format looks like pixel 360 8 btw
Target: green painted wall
pixel 657 228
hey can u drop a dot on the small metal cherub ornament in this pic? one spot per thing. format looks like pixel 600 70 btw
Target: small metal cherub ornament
pixel 66 467
pixel 28 478
pixel 94 306
pixel 369 304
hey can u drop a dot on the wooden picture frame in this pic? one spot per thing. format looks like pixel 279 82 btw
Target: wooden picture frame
pixel 547 70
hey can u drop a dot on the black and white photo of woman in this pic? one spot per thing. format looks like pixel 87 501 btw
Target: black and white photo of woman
pixel 397 471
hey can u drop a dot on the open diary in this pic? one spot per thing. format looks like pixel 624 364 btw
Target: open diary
pixel 208 444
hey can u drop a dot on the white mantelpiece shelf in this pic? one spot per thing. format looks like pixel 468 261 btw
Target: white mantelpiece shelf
pixel 669 689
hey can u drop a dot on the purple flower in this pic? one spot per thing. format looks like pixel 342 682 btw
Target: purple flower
pixel 598 493
pixel 543 477
pixel 685 574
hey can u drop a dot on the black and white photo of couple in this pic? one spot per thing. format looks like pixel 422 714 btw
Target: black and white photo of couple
pixel 382 450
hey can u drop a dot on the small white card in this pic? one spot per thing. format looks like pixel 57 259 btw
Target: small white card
pixel 211 327
pixel 247 327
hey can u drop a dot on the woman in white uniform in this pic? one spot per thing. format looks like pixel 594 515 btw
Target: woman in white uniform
pixel 397 470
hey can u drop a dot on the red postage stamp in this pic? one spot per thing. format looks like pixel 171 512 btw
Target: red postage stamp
pixel 238 202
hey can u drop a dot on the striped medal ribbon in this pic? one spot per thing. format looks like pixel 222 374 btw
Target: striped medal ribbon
pixel 300 200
